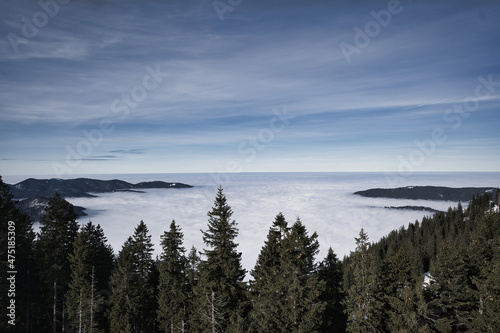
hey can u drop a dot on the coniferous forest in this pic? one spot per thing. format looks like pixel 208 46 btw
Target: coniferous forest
pixel 440 274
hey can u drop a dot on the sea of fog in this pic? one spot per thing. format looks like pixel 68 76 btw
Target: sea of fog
pixel 324 202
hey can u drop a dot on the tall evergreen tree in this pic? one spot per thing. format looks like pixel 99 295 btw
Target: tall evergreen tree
pixel 265 299
pixel 17 240
pixel 330 271
pixel 486 318
pixel 401 294
pixel 221 273
pixel 192 274
pixel 124 298
pixel 453 301
pixel 484 252
pixel 302 310
pixel 286 292
pixel 58 231
pixel 497 198
pixel 173 290
pixel 269 256
pixel 91 263
pixel 363 303
pixel 193 261
pixel 134 284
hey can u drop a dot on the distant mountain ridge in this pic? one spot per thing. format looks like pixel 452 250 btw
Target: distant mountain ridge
pixel 33 195
pixel 81 187
pixel 35 208
pixel 437 193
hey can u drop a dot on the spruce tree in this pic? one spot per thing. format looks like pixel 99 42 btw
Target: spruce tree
pixel 486 318
pixel 497 198
pixel 221 274
pixel 58 231
pixel 173 289
pixel 286 292
pixel 17 240
pixel 192 275
pixel 91 263
pixel 363 303
pixel 453 298
pixel 302 309
pixel 134 285
pixel 265 299
pixel 401 294
pixel 124 299
pixel 484 252
pixel 330 271
pixel 269 256
pixel 193 261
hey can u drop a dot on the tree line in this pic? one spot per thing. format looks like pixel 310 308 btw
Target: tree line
pixel 440 274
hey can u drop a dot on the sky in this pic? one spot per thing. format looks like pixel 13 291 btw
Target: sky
pixel 96 87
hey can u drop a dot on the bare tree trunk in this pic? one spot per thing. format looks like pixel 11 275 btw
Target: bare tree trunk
pixel 92 302
pixel 54 313
pixel 63 318
pixel 80 314
pixel 213 312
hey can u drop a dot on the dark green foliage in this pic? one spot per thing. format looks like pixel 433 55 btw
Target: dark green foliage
pixel 286 291
pixel 134 285
pixel 400 294
pixel 58 231
pixel 193 261
pixel 453 298
pixel 485 256
pixel 19 244
pixel 91 263
pixel 221 272
pixel 303 308
pixel 497 199
pixel 462 271
pixel 269 257
pixel 363 304
pixel 173 290
pixel 265 294
pixel 330 271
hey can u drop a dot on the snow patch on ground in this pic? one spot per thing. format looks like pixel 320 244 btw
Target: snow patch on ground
pixel 428 280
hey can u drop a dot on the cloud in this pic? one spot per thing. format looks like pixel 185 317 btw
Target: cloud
pixel 136 151
pixel 226 77
pixel 324 203
pixel 100 158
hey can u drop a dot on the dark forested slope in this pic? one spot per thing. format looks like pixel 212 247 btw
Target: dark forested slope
pixel 463 194
pixel 80 187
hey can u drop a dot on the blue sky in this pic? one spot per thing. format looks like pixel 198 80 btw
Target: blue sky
pixel 156 86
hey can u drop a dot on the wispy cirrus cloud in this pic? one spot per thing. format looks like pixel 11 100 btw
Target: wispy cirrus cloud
pixel 226 77
pixel 136 151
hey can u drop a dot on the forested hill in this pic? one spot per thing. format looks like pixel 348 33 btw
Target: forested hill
pixel 437 275
pixel 440 193
pixel 81 187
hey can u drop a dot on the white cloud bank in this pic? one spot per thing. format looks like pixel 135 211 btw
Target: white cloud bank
pixel 323 201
